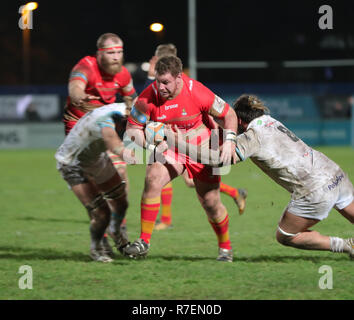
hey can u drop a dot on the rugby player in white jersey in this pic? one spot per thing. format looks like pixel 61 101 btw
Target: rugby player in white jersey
pixel 316 183
pixel 84 164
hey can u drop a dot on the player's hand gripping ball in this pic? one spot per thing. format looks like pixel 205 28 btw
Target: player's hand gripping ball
pixel 154 132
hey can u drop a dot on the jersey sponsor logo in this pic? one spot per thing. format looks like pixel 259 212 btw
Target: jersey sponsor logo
pixel 172 106
pixel 336 181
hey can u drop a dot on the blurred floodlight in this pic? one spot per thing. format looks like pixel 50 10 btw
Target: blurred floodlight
pixel 30 6
pixel 156 27
pixel 132 67
pixel 145 66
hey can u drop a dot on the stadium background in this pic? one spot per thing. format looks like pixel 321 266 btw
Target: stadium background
pixel 265 43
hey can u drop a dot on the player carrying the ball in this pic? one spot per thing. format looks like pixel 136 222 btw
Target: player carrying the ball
pixel 176 99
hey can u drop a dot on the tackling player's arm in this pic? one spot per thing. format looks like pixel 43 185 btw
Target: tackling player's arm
pixel 129 102
pixel 247 145
pixel 109 133
pixel 137 121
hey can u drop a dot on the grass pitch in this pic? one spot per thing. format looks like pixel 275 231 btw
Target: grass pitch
pixel 44 226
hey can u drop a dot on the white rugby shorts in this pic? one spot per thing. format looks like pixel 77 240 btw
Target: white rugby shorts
pixel 100 171
pixel 336 193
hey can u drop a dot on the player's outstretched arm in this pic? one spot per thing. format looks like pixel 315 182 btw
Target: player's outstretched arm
pixel 112 141
pixel 197 153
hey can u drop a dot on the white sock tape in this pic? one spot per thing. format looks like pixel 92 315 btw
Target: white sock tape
pixel 287 234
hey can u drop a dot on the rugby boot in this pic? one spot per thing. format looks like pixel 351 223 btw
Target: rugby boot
pixel 138 249
pixel 240 200
pixel 225 255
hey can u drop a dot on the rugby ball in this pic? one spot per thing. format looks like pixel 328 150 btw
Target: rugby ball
pixel 154 132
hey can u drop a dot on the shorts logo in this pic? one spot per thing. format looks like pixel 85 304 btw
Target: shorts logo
pixel 336 182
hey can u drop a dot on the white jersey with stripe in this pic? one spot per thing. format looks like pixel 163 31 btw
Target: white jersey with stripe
pixel 284 157
pixel 84 143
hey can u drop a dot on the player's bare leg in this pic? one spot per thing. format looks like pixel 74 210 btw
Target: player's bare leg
pixel 121 167
pixel 99 214
pixel 114 192
pixel 348 212
pixel 209 197
pixel 187 180
pixel 294 231
pixel 238 195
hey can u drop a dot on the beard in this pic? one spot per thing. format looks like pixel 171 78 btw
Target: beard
pixel 111 68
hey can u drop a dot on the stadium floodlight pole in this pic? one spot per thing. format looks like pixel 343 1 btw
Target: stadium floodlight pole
pixel 192 39
pixel 26 36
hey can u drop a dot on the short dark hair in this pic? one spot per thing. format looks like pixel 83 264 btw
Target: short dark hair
pixel 249 107
pixel 171 64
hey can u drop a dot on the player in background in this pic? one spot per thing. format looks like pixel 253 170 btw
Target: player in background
pixel 316 183
pixel 179 100
pixel 94 82
pixel 85 165
pixel 238 195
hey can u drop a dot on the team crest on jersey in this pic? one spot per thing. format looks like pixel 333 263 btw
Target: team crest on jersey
pixel 184 113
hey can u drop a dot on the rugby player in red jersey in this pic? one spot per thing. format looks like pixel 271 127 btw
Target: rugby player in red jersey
pixel 94 82
pixel 176 99
pixel 237 194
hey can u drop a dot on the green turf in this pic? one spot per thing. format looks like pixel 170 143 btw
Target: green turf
pixel 44 226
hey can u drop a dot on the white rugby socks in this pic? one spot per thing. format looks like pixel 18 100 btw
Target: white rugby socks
pixel 339 245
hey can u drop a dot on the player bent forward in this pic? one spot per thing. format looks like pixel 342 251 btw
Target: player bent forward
pixel 176 99
pixel 316 183
pixel 84 164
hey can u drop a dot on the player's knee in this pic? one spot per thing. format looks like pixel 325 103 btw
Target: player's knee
pixel 153 181
pixel 118 196
pixel 211 205
pixel 285 238
pixel 189 183
pixel 98 210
